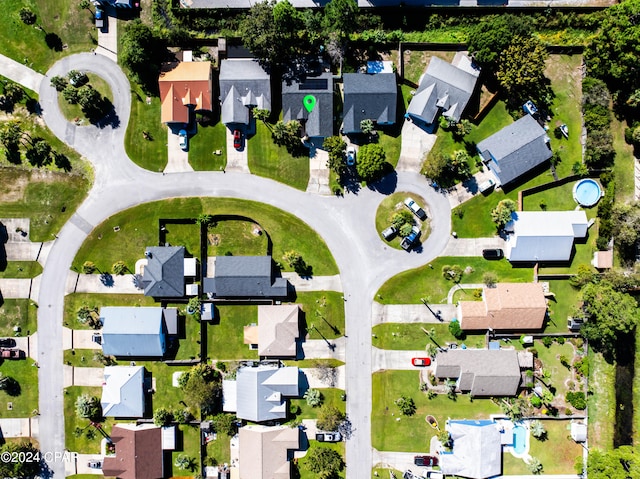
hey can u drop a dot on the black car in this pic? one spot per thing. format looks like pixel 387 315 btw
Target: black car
pixel 495 253
pixel 7 342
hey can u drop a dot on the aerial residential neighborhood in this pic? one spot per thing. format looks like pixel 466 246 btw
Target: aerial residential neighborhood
pixel 341 239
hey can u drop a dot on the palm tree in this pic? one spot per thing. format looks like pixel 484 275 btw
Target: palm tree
pixel 537 429
pixel 279 132
pixel 10 134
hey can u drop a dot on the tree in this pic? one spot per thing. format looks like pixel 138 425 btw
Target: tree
pixel 462 129
pixel 201 386
pixel 142 52
pixel 185 463
pixel 501 214
pixel 489 278
pixel 452 273
pixel 162 417
pixel 313 397
pixel 535 466
pixel 324 462
pixel 488 38
pixel 279 132
pixel 17 468
pixel 537 429
pixel 619 463
pixel 372 162
pixel 59 83
pixel 455 330
pixel 84 4
pixel 119 267
pixel 88 98
pixel 89 267
pixel 459 164
pixel 204 219
pixel 329 418
pixel 401 218
pixel 40 152
pixel 434 166
pixel 224 424
pixel 335 147
pixel 367 126
pixel 77 78
pixel 340 18
pixel 585 274
pixel 10 134
pixel 295 261
pixel 70 94
pixel 27 16
pixel 521 70
pixel 88 407
pixel 261 114
pixel 13 92
pixel 626 225
pixel 193 307
pixel 406 405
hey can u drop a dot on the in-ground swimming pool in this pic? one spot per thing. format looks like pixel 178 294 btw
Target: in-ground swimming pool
pixel 587 192
pixel 520 439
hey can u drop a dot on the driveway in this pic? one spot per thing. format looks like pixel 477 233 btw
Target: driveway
pixel 321 349
pixel 178 159
pixel 96 283
pixel 81 465
pixel 314 283
pixel 318 172
pixel 383 359
pixel 415 144
pixel 108 36
pixel 17 427
pixel 79 339
pixel 237 160
pixel 77 376
pixel 412 313
pixel 396 460
pixel 317 379
pixel 12 288
pixel 472 246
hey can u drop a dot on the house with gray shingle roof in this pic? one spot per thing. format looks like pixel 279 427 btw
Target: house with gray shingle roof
pixel 369 97
pixel 515 150
pixel 444 88
pixel 481 372
pixel 123 391
pixel 244 85
pixel 319 121
pixel 260 393
pixel 163 275
pixel 245 277
pixel 136 331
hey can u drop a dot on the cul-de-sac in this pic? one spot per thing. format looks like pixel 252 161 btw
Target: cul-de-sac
pixel 320 239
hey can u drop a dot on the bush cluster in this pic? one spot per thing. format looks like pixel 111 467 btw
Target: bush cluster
pixel 597 119
pixel 576 399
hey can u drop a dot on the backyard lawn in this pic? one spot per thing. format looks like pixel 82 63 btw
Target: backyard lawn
pixel 239 237
pixel 624 163
pixel 204 143
pixel 559 375
pixel 23 400
pixel 409 337
pixel 601 402
pixel 272 161
pixel 324 310
pixel 188 437
pixel 220 449
pixel 561 305
pixel 390 431
pixel 391 141
pixel 225 337
pixel 75 301
pixel 393 204
pixel 183 234
pixel 21 313
pixel 151 153
pixel 331 397
pixel 427 281
pixel 21 269
pixel 139 228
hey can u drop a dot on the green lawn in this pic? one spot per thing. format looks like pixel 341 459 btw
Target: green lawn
pixel 378 472
pixel 225 337
pixel 25 399
pixel 325 311
pixel 26 44
pixel 21 269
pixel 555 199
pixel 82 358
pixel 427 281
pixel 559 374
pixel 272 161
pixel 601 402
pixel 557 453
pixel 394 203
pixel 237 237
pixel 413 434
pixel 220 449
pixel 22 313
pixel 74 301
pixel 190 448
pixel 48 199
pixel 403 336
pixel 166 395
pixel 187 235
pixel 139 228
pixel 467 295
pixel 71 112
pixel 560 306
pixel 636 391
pixel 391 142
pixel 331 397
pixel 624 163
pixel 306 473
pixel 189 336
pixel 78 441
pixel 150 154
pixel 204 143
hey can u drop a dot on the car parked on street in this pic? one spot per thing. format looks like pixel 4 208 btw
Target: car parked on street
pixel 182 139
pixel 389 233
pixel 415 208
pixel 328 436
pixel 425 461
pixel 409 240
pixel 421 361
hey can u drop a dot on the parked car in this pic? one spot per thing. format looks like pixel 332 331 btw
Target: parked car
pixel 237 139
pixel 415 208
pixel 328 436
pixel 435 475
pixel 486 185
pixel 421 361
pixel 94 464
pixel 182 140
pixel 99 16
pixel 389 233
pixel 425 461
pixel 6 353
pixel 7 342
pixel 351 156
pixel 574 324
pixel 409 240
pixel 494 253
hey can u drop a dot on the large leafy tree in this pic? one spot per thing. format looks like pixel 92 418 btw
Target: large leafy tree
pixel 330 418
pixel 340 18
pixel 40 152
pixel 490 37
pixel 142 52
pixel 372 162
pixel 521 71
pixel 620 463
pixel 324 461
pixel 501 214
pixel 202 388
pixel 10 134
pixel 626 225
pixel 20 468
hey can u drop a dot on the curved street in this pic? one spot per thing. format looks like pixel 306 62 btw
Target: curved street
pixel 346 224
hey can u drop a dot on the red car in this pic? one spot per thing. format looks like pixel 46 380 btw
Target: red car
pixel 421 361
pixel 425 461
pixel 237 139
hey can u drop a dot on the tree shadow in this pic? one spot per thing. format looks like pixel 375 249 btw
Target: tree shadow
pixel 53 41
pixel 388 184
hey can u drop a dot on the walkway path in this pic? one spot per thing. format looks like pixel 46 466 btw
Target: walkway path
pixel 20 73
pixel 471 246
pixel 415 144
pixel 411 313
pixel 237 160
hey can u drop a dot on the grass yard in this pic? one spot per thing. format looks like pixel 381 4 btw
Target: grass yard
pixel 636 392
pixel 416 61
pixel 305 473
pixel 427 281
pixel 331 397
pixel 312 363
pixel 22 313
pixel 166 395
pixel 189 437
pixel 237 237
pixel 407 337
pixel 601 402
pixel 139 227
pixel 74 301
pixel 623 168
pixel 187 235
pixel 467 295
pixel 413 434
pixel 149 154
pixel 379 472
pixel 82 358
pixel 71 112
pixel 583 254
pixel 272 161
pixel 325 311
pixel 21 269
pixel 63 19
pixel 47 198
pixel 225 339
pixel 204 143
pixel 189 335
pixel 560 306
pixel 391 142
pixel 559 375
pixel 24 400
pixel 76 429
pixel 220 449
pixel 555 199
pixel 557 453
pixel 393 204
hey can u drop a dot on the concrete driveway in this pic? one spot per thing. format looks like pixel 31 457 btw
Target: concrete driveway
pixel 95 283
pixel 318 172
pixel 237 160
pixel 81 465
pixel 415 144
pixel 24 288
pixel 383 359
pixel 472 246
pixel 396 460
pixel 178 159
pixel 314 283
pixel 315 379
pixel 78 376
pixel 79 339
pixel 17 427
pixel 412 313
pixel 320 349
pixel 108 36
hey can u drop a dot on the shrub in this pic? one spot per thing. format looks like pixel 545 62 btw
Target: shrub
pixel 535 466
pixel 406 405
pixel 89 267
pixel 547 341
pixel 313 397
pixel 560 340
pixel 490 279
pixel 535 401
pixel 162 417
pixel 452 273
pixel 582 366
pixel 576 399
pixel 501 214
pixel 455 330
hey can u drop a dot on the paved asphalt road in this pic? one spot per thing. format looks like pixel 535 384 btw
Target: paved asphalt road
pixel 346 224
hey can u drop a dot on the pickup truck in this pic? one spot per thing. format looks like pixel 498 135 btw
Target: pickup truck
pixel 415 208
pixel 6 353
pixel 328 437
pixel 408 241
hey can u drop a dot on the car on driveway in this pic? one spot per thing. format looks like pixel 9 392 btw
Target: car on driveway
pixel 94 464
pixel 425 461
pixel 7 342
pixel 182 139
pixel 389 233
pixel 351 156
pixel 408 241
pixel 328 437
pixel 492 253
pixel 11 353
pixel 421 361
pixel 99 16
pixel 415 208
pixel 237 139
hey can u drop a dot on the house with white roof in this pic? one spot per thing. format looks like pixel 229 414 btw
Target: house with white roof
pixel 123 391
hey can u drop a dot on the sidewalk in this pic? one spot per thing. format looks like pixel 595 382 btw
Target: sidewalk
pixel 315 283
pixel 20 73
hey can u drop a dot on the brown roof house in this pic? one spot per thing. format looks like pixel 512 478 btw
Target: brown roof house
pixel 184 86
pixel 507 306
pixel 483 372
pixel 264 451
pixel 139 453
pixel 278 331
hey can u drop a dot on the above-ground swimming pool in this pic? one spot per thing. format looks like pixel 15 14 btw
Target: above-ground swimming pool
pixel 520 440
pixel 587 192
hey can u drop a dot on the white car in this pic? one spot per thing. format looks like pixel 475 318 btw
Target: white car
pixel 415 208
pixel 351 156
pixel 182 140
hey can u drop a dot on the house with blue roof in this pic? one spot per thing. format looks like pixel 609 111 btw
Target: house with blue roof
pixel 123 391
pixel 136 331
pixel 369 97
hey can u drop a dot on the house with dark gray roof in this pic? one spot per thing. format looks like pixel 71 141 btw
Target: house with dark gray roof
pixel 319 121
pixel 244 85
pixel 260 393
pixel 123 391
pixel 515 150
pixel 369 97
pixel 481 372
pixel 444 88
pixel 136 331
pixel 163 275
pixel 244 277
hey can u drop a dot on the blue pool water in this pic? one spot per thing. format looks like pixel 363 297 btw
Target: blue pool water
pixel 587 192
pixel 519 439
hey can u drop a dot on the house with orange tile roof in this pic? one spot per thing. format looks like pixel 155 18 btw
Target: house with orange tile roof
pixel 505 306
pixel 185 87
